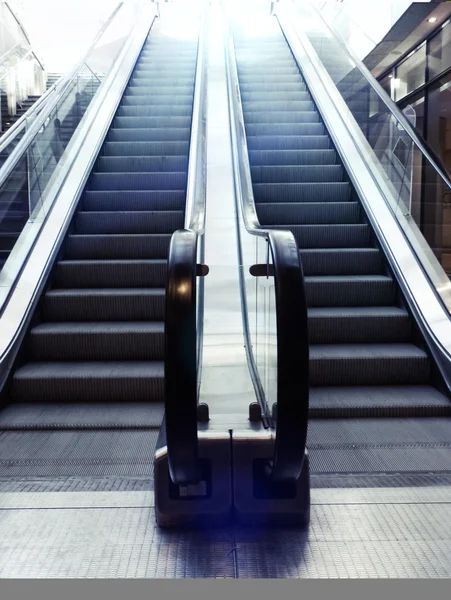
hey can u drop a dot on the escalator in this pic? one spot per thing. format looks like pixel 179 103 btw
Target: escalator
pixel 378 402
pixel 85 395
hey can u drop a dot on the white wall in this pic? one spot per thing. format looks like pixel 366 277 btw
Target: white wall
pixel 60 30
pixel 364 23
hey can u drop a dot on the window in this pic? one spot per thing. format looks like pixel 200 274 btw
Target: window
pixel 411 73
pixel 440 52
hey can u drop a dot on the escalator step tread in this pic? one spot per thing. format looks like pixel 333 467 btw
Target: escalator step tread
pixel 60 416
pixel 111 273
pixel 96 341
pixel 97 381
pixel 377 402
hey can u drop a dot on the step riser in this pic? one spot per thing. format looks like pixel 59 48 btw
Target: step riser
pixel 307 192
pixel 127 149
pixel 273 214
pixel 354 262
pixel 138 181
pixel 122 247
pixel 141 165
pixel 103 307
pixel 336 294
pixel 73 347
pixel 389 371
pixel 293 157
pixel 110 275
pixel 148 135
pixel 128 222
pixel 89 390
pixel 295 174
pixel 356 330
pixel 129 200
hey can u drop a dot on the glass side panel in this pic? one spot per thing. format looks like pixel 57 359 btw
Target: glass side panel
pixel 266 326
pixel 409 184
pixel 28 194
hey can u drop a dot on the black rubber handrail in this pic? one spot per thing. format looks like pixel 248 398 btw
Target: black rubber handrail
pixel 293 381
pixel 184 306
pixel 291 307
pixel 180 362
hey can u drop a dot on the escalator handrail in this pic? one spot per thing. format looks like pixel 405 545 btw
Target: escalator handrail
pixel 46 103
pixel 291 307
pixel 423 145
pixel 180 359
pixel 183 304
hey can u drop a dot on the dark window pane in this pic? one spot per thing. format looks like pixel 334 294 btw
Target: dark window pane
pixel 437 212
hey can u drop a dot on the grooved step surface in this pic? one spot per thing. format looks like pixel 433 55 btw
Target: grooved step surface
pixel 81 415
pixel 99 334
pixel 365 357
pixel 89 381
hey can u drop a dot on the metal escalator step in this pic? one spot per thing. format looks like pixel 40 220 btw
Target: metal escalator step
pixel 308 212
pixel 269 85
pixel 244 72
pixel 163 71
pixel 132 149
pixel 175 99
pixel 128 304
pixel 134 200
pixel 312 137
pixel 341 261
pixel 131 222
pixel 293 157
pixel 303 104
pixel 297 174
pixel 144 108
pixel 272 64
pixel 171 61
pixel 177 84
pixel 368 364
pixel 328 235
pixel 175 180
pixel 47 416
pixel 406 432
pixel 350 290
pixel 377 402
pixel 110 273
pixel 276 124
pixel 366 324
pixel 89 381
pixel 117 246
pixel 141 164
pixel 140 101
pixel 129 134
pixel 251 96
pixel 262 128
pixel 101 341
pixel 280 105
pixel 158 134
pixel 302 192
